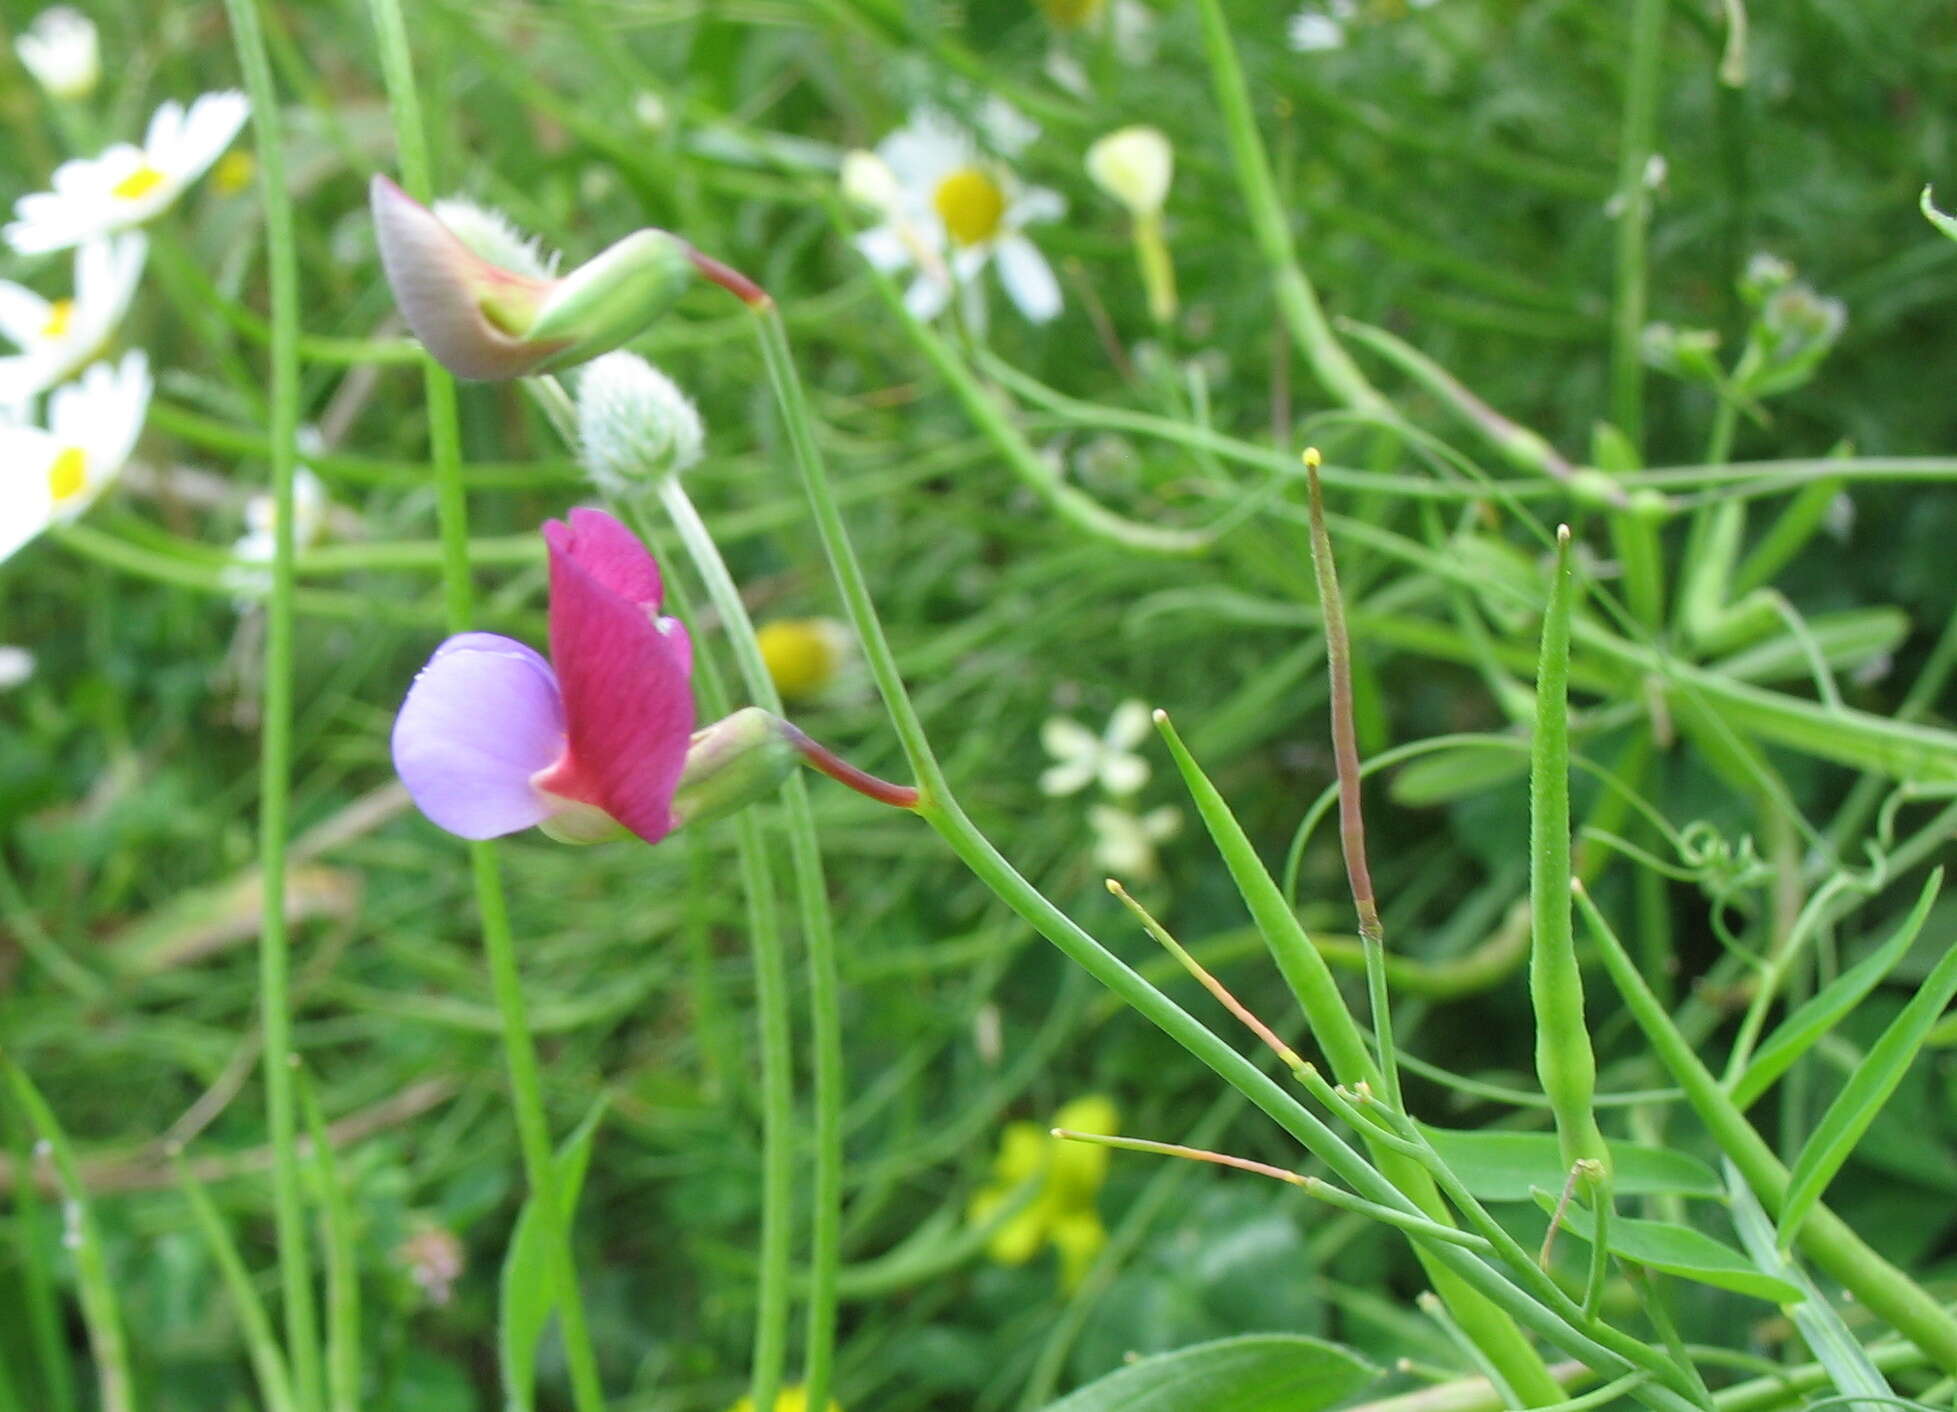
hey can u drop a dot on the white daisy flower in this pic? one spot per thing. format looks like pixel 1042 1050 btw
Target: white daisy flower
pixel 59 49
pixel 1311 32
pixel 49 476
pixel 1083 757
pixel 127 185
pixel 952 210
pixel 1124 842
pixel 57 339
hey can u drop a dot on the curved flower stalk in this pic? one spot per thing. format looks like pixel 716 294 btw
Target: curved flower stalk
pixel 948 210
pixel 599 739
pixel 127 185
pixel 57 338
pixel 55 473
pixel 486 304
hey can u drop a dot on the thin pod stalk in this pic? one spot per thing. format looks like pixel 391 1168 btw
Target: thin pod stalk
pixel 1565 1064
pixel 1345 755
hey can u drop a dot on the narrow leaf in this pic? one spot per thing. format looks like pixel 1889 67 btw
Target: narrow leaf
pixel 1501 1166
pixel 1826 1335
pixel 1867 1089
pixel 1684 1251
pixel 267 1362
pixel 1800 1030
pixel 1257 1373
pixel 529 1294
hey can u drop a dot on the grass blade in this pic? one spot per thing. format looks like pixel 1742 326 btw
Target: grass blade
pixel 253 1322
pixel 342 1262
pixel 529 1292
pixel 100 1312
pixel 1867 1089
pixel 1800 1030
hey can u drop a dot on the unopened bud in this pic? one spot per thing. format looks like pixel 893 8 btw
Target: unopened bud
pixel 484 304
pixel 1765 276
pixel 731 764
pixel 1134 165
pixel 1687 353
pixel 61 51
pixel 867 181
pixel 634 424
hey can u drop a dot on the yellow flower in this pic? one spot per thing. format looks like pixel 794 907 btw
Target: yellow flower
pixel 804 655
pixel 789 1399
pixel 1062 1212
pixel 235 172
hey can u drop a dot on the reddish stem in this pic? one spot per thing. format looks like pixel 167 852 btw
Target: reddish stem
pixel 901 796
pixel 731 280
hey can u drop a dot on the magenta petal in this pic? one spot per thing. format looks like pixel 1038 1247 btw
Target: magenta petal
pixel 610 553
pixel 480 720
pixel 628 703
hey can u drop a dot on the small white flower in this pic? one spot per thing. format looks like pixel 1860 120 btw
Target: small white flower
pixel 58 339
pixel 1311 32
pixel 1083 757
pixel 127 185
pixel 957 210
pixel 50 476
pixel 16 666
pixel 1124 842
pixel 1134 165
pixel 59 49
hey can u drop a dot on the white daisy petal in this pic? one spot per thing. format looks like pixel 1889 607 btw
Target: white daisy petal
pixel 926 298
pixel 1036 203
pixel 884 248
pixel 26 505
pixel 1028 279
pixel 23 314
pixel 214 120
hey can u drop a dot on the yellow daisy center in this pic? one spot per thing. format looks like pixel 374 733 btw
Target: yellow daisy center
pixel 971 205
pixel 68 475
pixel 234 173
pixel 61 313
pixel 138 183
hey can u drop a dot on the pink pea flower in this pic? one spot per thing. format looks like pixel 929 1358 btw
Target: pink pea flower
pixel 493 739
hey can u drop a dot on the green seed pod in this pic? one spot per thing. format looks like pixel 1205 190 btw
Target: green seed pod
pixel 1565 1064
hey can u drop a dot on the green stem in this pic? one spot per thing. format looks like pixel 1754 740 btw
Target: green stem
pixel 1297 300
pixel 818 935
pixel 275 741
pixel 499 943
pixel 1633 216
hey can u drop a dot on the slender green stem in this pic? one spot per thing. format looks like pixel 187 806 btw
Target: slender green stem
pixel 1633 204
pixel 818 936
pixel 1297 300
pixel 275 740
pixel 499 944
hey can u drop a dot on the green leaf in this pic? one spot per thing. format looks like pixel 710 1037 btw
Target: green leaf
pixel 529 1276
pixel 1944 223
pixel 1867 1089
pixel 1256 1373
pixel 1498 1166
pixel 1799 1031
pixel 1684 1251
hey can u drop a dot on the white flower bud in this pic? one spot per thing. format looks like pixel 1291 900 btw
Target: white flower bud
pixel 492 235
pixel 1134 166
pixel 867 181
pixel 634 424
pixel 60 50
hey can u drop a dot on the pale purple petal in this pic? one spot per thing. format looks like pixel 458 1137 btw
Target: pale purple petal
pixel 481 719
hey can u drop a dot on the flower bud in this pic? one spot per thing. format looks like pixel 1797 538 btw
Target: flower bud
pixel 483 301
pixel 805 656
pixel 1765 276
pixel 61 51
pixel 1134 165
pixel 634 424
pixel 731 764
pixel 867 181
pixel 1687 353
